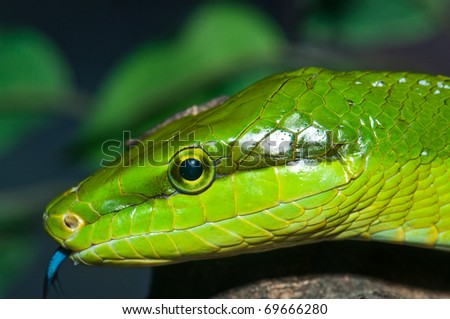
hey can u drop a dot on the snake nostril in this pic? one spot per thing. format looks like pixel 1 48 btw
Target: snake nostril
pixel 71 221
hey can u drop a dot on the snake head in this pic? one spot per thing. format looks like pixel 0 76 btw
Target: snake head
pixel 253 173
pixel 101 217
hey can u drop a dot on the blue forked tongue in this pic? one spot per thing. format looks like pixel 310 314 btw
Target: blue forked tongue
pixel 51 274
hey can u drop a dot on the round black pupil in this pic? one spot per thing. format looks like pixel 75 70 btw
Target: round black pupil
pixel 191 169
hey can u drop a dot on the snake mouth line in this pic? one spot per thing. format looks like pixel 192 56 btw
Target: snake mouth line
pixel 135 262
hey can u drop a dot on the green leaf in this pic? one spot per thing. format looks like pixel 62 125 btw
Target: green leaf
pixel 372 23
pixel 33 76
pixel 34 80
pixel 217 41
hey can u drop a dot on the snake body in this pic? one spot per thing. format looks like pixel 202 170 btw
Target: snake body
pixel 298 157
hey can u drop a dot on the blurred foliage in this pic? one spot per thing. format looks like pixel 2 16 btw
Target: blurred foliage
pixel 221 48
pixel 34 80
pixel 372 23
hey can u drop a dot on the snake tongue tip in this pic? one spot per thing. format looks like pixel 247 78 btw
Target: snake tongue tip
pixel 51 274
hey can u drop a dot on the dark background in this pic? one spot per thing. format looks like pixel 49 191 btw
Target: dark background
pixel 94 37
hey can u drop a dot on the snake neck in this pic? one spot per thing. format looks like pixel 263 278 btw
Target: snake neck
pixel 407 203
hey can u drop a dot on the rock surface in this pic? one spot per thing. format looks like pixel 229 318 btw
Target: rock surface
pixel 325 270
pixel 329 286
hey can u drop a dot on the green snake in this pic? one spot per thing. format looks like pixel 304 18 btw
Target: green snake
pixel 295 158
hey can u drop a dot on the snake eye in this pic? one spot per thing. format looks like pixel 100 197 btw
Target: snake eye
pixel 191 170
